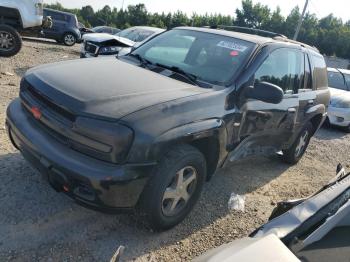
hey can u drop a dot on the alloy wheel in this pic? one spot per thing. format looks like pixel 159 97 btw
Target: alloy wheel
pixel 302 143
pixel 7 41
pixel 179 191
pixel 69 39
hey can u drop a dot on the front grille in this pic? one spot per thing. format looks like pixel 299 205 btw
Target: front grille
pixel 58 122
pixel 91 48
pixel 49 104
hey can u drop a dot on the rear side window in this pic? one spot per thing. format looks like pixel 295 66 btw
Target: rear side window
pixel 307 76
pixel 320 72
pixel 284 67
pixel 336 80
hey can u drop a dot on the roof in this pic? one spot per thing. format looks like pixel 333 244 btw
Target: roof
pixel 250 37
pixel 344 71
pixel 150 28
pixel 59 12
pixel 336 70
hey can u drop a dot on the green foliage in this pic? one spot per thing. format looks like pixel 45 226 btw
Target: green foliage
pixel 329 34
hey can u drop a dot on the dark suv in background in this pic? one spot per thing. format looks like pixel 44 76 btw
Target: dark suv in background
pixel 147 130
pixel 65 28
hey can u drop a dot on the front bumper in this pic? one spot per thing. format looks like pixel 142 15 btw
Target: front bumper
pixel 97 184
pixel 339 116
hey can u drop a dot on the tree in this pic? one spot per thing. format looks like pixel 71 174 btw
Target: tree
pixel 137 14
pixel 254 16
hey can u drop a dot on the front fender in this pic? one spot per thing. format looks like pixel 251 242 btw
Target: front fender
pixel 188 133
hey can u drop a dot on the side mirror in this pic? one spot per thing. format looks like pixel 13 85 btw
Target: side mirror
pixel 265 92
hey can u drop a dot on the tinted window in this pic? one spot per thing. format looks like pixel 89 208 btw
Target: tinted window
pixel 308 75
pixel 284 68
pixel 135 34
pixel 210 57
pixel 320 72
pixel 57 16
pixel 336 80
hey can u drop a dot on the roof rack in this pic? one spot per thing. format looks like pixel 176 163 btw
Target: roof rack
pixel 249 31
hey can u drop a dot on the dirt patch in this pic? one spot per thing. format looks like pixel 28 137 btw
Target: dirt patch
pixel 37 224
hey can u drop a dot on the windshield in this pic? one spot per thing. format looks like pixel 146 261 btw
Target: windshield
pixel 209 57
pixel 135 34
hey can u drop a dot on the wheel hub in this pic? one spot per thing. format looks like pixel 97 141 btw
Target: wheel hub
pixel 6 41
pixel 179 192
pixel 301 145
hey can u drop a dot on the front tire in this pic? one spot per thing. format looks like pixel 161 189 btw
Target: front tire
pixel 10 41
pixel 69 39
pixel 175 187
pixel 298 148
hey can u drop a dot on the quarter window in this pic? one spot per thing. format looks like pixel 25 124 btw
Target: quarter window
pixel 336 80
pixel 320 72
pixel 284 68
pixel 307 76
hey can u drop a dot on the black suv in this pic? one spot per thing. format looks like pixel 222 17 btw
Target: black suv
pixel 148 129
pixel 65 27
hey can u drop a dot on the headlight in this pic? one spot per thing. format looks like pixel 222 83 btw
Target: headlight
pixel 108 50
pixel 341 103
pixel 117 136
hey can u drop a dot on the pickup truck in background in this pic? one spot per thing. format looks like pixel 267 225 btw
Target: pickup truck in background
pixel 17 16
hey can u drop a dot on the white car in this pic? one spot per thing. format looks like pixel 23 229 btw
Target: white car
pixel 314 229
pixel 339 108
pixel 17 16
pixel 101 44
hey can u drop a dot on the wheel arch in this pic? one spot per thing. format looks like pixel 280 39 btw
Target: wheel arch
pixel 209 137
pixel 11 17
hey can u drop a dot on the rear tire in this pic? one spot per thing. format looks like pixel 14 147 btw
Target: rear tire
pixel 10 41
pixel 298 148
pixel 69 39
pixel 174 188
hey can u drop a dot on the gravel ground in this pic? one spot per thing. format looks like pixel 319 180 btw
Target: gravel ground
pixel 37 224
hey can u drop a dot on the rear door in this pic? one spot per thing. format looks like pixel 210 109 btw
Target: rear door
pixel 306 93
pixel 266 127
pixel 59 25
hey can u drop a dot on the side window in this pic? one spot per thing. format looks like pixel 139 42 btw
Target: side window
pixel 307 77
pixel 336 80
pixel 57 16
pixel 284 67
pixel 320 72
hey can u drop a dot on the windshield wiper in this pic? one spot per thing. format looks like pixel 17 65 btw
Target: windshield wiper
pixel 143 61
pixel 193 78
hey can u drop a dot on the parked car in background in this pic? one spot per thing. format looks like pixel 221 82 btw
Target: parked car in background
pixel 17 16
pixel 146 130
pixel 105 29
pixel 313 229
pixel 339 108
pixel 65 28
pixel 120 43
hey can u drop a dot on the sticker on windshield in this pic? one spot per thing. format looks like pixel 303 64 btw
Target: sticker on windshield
pixel 232 45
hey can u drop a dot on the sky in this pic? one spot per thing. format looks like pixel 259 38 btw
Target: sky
pixel 340 8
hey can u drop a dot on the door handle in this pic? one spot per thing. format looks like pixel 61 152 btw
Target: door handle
pixel 310 102
pixel 292 110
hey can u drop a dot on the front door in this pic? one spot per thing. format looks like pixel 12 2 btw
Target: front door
pixel 266 127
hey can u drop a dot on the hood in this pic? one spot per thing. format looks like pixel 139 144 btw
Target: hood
pixel 106 87
pixel 339 92
pixel 338 95
pixel 101 37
